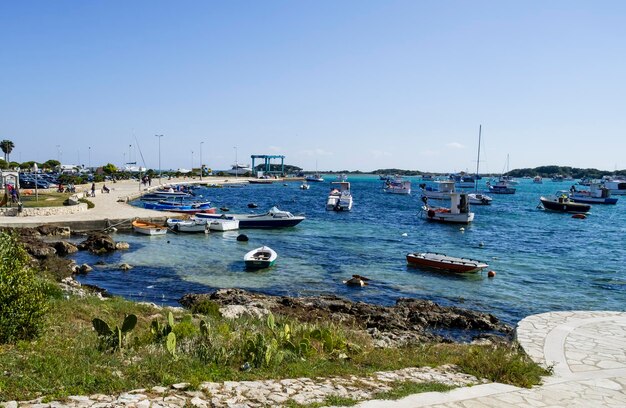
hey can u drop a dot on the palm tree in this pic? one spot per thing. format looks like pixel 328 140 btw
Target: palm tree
pixel 7 147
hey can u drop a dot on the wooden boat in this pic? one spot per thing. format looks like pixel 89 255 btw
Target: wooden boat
pixel 397 186
pixel 459 211
pixel 562 203
pixel 148 228
pixel 259 258
pixel 444 262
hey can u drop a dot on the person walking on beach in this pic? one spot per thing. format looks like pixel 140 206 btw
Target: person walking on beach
pixel 93 189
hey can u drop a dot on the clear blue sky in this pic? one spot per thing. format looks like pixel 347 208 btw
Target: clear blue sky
pixel 347 84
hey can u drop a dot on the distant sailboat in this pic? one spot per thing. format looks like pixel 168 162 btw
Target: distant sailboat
pixel 477 198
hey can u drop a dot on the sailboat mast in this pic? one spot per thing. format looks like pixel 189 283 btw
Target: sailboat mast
pixel 480 127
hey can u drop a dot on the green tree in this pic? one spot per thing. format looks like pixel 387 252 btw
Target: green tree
pixel 109 168
pixel 3 164
pixel 51 164
pixel 23 304
pixel 7 147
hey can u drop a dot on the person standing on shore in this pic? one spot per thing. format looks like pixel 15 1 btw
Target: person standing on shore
pixel 93 189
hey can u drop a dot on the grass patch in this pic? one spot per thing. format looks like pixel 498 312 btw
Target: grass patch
pixel 404 388
pixel 47 198
pixel 68 360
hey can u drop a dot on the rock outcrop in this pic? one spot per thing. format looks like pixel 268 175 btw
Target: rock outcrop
pixel 408 321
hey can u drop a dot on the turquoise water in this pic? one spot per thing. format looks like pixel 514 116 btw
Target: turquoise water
pixel 544 261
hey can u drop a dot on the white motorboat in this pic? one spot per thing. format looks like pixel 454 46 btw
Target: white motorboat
pixel 190 225
pixel 538 180
pixel 397 186
pixel 438 190
pixel 304 185
pixel 458 213
pixel 479 199
pixel 340 197
pixel 274 218
pixel 259 258
pixel 314 178
pixel 222 224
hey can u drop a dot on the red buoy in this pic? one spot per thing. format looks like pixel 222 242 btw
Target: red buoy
pixel 491 274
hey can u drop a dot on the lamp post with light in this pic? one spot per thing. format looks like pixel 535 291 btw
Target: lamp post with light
pixel 201 165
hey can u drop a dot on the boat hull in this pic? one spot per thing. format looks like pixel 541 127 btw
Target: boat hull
pixel 568 207
pixel 444 262
pixel 260 258
pixel 223 225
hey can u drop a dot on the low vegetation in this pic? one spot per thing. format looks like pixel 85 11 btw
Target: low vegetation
pixel 31 198
pixel 67 345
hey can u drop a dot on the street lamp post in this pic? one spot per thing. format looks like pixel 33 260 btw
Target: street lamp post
pixel 159 136
pixel 192 163
pixel 89 159
pixel 201 165
pixel 36 181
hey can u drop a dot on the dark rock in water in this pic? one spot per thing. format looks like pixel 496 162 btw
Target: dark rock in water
pixel 409 321
pixel 37 248
pixel 98 242
pixel 50 230
pixel 125 267
pixel 252 205
pixel 63 248
pixel 242 238
pixel 224 209
pixel 84 268
pixel 122 245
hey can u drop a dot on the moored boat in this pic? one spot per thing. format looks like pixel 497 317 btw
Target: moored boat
pixel 304 185
pixel 501 187
pixel 340 197
pixel 439 190
pixel 479 199
pixel 562 203
pixel 274 218
pixel 314 178
pixel 190 225
pixel 259 258
pixel 444 262
pixel 397 186
pixel 596 194
pixel 148 228
pixel 458 213
pixel 538 180
pixel 223 224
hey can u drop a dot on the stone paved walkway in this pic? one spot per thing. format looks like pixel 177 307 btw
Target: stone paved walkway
pixel 587 351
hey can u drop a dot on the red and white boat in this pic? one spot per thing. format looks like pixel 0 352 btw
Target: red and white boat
pixel 444 262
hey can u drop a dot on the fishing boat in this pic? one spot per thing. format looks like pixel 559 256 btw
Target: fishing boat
pixel 166 195
pixel 222 224
pixel 596 194
pixel 616 186
pixel 444 262
pixel 463 180
pixel 538 180
pixel 259 258
pixel 190 225
pixel 304 186
pixel 562 203
pixel 148 228
pixel 274 218
pixel 397 186
pixel 340 197
pixel 458 213
pixel 438 190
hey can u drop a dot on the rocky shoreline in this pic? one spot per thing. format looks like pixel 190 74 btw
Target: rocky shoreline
pixel 409 321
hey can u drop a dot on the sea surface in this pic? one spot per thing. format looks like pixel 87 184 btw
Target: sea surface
pixel 544 261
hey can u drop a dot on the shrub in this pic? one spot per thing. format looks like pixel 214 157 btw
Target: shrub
pixel 89 203
pixel 206 307
pixel 23 303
